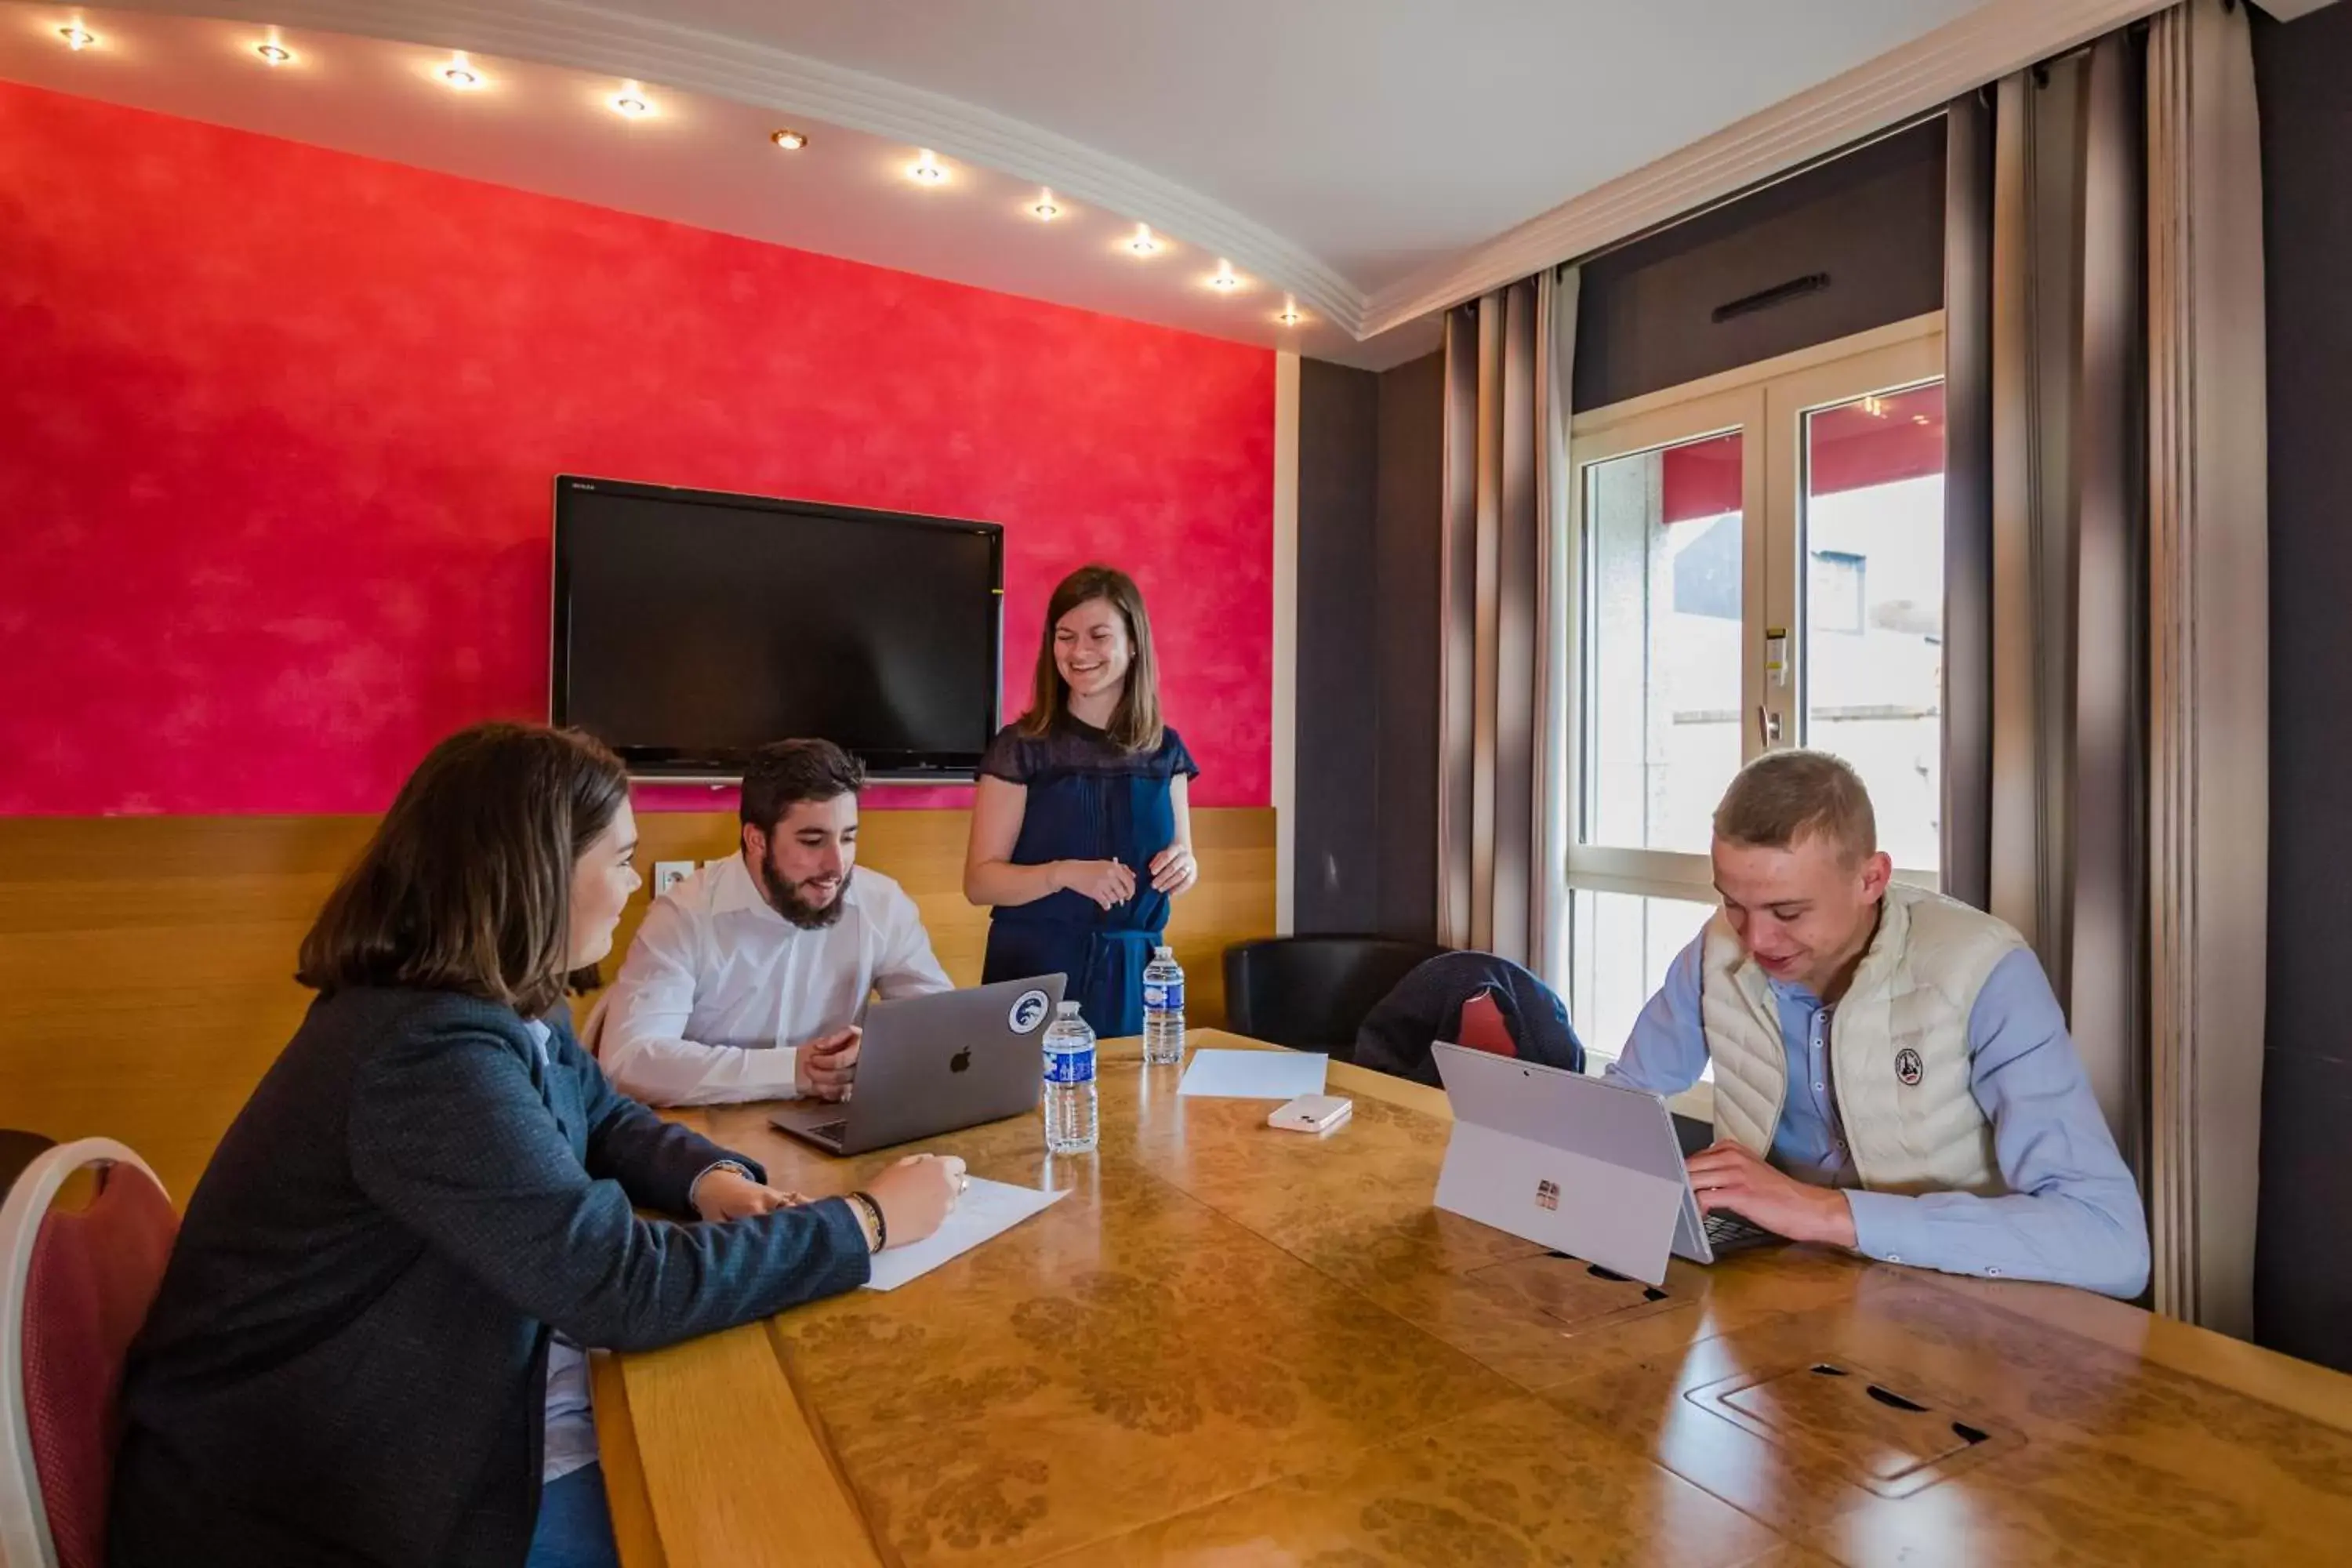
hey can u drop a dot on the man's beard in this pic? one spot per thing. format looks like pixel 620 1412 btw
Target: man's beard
pixel 784 897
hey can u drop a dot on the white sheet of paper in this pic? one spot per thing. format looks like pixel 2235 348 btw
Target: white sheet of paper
pixel 1253 1074
pixel 986 1209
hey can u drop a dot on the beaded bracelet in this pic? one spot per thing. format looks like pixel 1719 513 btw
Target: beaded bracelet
pixel 874 1210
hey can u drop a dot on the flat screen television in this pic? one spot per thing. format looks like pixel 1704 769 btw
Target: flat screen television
pixel 692 627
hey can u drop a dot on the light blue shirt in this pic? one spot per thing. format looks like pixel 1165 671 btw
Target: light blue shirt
pixel 2072 1213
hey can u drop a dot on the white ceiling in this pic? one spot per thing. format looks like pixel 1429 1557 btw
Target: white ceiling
pixel 1329 149
pixel 1379 135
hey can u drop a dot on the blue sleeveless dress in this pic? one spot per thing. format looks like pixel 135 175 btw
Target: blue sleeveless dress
pixel 1088 800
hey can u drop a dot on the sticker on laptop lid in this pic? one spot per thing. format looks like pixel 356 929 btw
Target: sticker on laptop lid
pixel 1029 1010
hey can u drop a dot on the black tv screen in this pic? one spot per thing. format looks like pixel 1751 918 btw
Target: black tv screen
pixel 692 627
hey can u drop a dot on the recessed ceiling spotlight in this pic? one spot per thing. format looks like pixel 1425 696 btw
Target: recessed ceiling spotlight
pixel 275 54
pixel 1045 209
pixel 925 170
pixel 789 140
pixel 1143 244
pixel 460 73
pixel 77 37
pixel 1289 316
pixel 631 105
pixel 1224 277
pixel 1919 419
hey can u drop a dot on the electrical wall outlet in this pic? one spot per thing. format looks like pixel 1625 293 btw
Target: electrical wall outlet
pixel 669 874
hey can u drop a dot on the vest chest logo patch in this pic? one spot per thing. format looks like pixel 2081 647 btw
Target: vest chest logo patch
pixel 1909 1069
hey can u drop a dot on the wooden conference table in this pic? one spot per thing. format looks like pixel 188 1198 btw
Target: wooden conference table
pixel 1237 1346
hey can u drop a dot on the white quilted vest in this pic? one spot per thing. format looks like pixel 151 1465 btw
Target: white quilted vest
pixel 1898 1046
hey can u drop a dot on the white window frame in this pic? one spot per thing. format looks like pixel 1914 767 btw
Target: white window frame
pixel 1766 404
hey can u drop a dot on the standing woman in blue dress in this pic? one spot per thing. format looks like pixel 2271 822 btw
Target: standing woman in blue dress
pixel 1083 832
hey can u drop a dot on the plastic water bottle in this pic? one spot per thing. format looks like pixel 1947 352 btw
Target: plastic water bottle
pixel 1164 1008
pixel 1070 1084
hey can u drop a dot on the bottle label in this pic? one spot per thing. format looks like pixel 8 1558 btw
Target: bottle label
pixel 1163 996
pixel 1070 1067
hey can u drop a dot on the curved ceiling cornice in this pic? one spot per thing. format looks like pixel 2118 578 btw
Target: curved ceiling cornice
pixel 662 54
pixel 1997 37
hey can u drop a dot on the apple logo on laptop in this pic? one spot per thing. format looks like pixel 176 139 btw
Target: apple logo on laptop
pixel 960 1060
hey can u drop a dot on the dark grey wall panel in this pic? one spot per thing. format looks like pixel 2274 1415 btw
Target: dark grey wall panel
pixel 1370 458
pixel 1411 493
pixel 2302 1265
pixel 1872 221
pixel 1336 871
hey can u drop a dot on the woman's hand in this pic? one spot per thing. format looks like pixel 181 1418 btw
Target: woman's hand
pixel 916 1194
pixel 1108 882
pixel 730 1194
pixel 1173 869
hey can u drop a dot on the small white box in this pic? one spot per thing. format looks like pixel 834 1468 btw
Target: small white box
pixel 1315 1113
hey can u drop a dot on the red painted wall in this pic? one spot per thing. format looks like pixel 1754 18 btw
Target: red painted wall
pixel 276 428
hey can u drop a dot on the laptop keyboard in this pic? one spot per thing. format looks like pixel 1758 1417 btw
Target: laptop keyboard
pixel 1727 1231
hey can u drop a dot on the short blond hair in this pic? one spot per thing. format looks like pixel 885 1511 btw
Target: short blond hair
pixel 1782 797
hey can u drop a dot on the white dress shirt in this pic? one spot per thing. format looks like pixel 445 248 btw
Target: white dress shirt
pixel 719 990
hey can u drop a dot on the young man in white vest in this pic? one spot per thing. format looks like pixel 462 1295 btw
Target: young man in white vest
pixel 1892 1071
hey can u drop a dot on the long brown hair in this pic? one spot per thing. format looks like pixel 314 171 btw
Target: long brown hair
pixel 466 884
pixel 1135 724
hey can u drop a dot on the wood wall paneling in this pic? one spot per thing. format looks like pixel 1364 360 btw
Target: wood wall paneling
pixel 146 963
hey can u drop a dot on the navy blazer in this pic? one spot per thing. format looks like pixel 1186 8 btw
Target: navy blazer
pixel 347 1360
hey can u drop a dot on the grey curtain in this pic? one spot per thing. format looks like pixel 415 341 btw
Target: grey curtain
pixel 2045 534
pixel 1967 870
pixel 1506 422
pixel 2209 732
pixel 2106 611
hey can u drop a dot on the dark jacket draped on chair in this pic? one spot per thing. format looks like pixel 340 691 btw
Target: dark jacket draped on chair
pixel 1426 1006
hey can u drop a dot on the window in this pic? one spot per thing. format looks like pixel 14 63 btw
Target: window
pixel 1663 547
pixel 1756 561
pixel 1874 497
pixel 1629 941
pixel 1833 591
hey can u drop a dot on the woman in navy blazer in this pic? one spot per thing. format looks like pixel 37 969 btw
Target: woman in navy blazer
pixel 347 1360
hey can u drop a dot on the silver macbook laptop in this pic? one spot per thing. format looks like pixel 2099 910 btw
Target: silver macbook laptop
pixel 1580 1164
pixel 936 1064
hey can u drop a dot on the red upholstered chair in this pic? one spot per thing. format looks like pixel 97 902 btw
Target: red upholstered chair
pixel 1483 1028
pixel 74 1284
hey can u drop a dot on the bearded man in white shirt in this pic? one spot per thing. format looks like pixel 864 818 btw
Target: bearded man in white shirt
pixel 750 978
